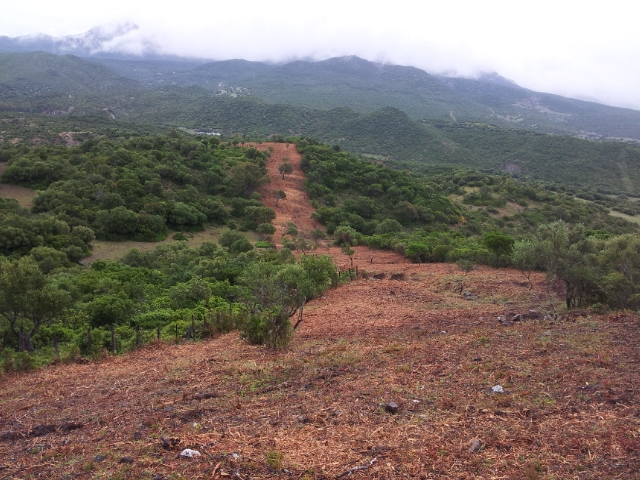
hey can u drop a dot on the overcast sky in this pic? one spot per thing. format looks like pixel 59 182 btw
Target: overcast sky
pixel 567 47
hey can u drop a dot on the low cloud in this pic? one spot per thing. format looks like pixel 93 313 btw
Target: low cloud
pixel 547 46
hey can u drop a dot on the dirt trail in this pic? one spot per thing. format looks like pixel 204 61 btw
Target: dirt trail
pixel 296 207
pixel 390 294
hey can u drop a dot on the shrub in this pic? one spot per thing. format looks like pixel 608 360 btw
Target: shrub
pixel 388 226
pixel 271 328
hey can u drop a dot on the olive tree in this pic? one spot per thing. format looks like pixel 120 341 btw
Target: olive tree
pixel 28 301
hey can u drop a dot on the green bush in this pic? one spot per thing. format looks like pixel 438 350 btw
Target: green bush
pixel 271 328
pixel 12 361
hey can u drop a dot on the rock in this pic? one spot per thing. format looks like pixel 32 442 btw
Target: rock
pixel 203 395
pixel 475 446
pixel 533 314
pixel 137 436
pixel 7 435
pixel 391 407
pixel 188 453
pixel 99 458
pixel 40 430
pixel 128 460
pixel 497 389
pixel 303 419
pixel 68 426
pixel 169 443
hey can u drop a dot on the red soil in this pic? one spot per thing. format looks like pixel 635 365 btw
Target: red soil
pixel 296 207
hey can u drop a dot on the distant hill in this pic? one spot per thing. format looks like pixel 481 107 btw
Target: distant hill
pixel 36 72
pixel 337 82
pixel 366 86
pixel 346 101
pixel 525 108
pixel 351 82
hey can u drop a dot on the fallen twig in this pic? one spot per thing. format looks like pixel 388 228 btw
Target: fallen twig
pixel 358 468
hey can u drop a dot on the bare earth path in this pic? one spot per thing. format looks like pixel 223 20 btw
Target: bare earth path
pixel 296 207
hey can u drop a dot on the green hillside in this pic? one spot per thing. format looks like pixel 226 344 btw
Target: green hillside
pixel 366 86
pixel 364 119
pixel 525 108
pixel 37 72
pixel 388 134
pixel 350 82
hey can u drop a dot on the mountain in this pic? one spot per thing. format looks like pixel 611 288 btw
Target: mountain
pixel 337 82
pixel 401 115
pixel 525 108
pixel 366 86
pixel 37 72
pixel 351 82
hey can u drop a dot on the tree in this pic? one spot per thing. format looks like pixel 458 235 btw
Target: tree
pixel 567 254
pixel 28 300
pixel 388 226
pixel 406 212
pixel 292 229
pixel 348 251
pixel 110 309
pixel 266 230
pixel 285 168
pixel 620 266
pixel 500 244
pixel 228 237
pixel 247 176
pixel 348 235
pixel 274 293
pixel 279 195
pixel 418 252
pixel 270 290
pixel 258 215
pixel 302 245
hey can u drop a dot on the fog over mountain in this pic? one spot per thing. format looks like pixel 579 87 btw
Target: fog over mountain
pixel 557 47
pixel 110 41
